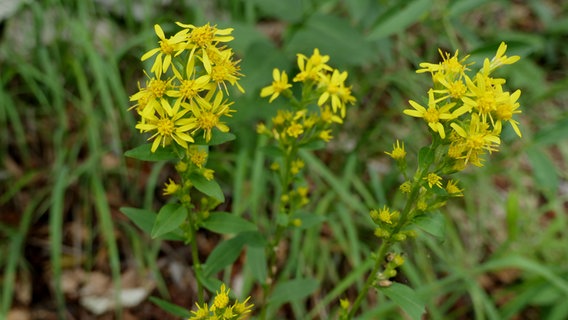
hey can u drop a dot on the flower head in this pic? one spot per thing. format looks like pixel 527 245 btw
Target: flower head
pixel 171 187
pixel 311 67
pixel 501 59
pixel 167 128
pixel 433 114
pixel 207 115
pixel 398 152
pixel 335 91
pixel 279 85
pixel 168 47
pixel 433 180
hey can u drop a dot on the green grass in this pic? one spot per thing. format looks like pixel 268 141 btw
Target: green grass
pixel 66 71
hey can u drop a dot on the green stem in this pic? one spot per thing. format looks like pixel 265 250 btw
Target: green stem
pixel 285 183
pixel 385 245
pixel 269 285
pixel 195 254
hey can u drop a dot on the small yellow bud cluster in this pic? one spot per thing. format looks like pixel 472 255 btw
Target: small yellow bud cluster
pixel 184 95
pixel 387 222
pixel 221 308
pixel 394 260
pixel 296 199
pixel 193 163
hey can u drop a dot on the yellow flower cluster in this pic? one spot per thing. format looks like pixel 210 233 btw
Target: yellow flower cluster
pixel 387 221
pixel 184 93
pixel 307 121
pixel 468 112
pixel 222 309
pixel 323 87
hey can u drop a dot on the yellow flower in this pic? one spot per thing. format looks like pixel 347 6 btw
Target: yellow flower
pixel 484 96
pixel 197 157
pixel 296 166
pixel 329 117
pixel 421 205
pixel 455 89
pixel 150 98
pixel 208 174
pixel 168 128
pixel 168 47
pixel 226 69
pixel 274 166
pixel 405 187
pixel 242 308
pixel 453 189
pixel 222 298
pixel 310 68
pixel 207 114
pixel 384 215
pixel 450 68
pixel 325 135
pixel 202 313
pixel 398 260
pixel 189 87
pixel 505 110
pixel 344 304
pixel 279 85
pixel 171 187
pixel 433 114
pixel 398 152
pixel 205 37
pixel 295 130
pixel 334 91
pixel 475 140
pixel 433 180
pixel 501 59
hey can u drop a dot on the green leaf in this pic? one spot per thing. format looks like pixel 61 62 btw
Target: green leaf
pixel 210 283
pixel 552 134
pixel 143 152
pixel 425 157
pixel 333 36
pixel 171 308
pixel 223 255
pixel 256 262
pixel 227 223
pixel 459 7
pixel 292 290
pixel 433 222
pixel 208 187
pixel 512 216
pixel 543 169
pixel 406 298
pixel 170 217
pixel 144 219
pixel 289 10
pixel 217 137
pixel 399 18
pixel 254 239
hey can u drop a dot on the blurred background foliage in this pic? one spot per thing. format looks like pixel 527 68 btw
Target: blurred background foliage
pixel 67 68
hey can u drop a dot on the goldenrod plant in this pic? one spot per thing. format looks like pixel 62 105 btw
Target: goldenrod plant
pixel 184 102
pixel 306 122
pixel 464 115
pixel 182 105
